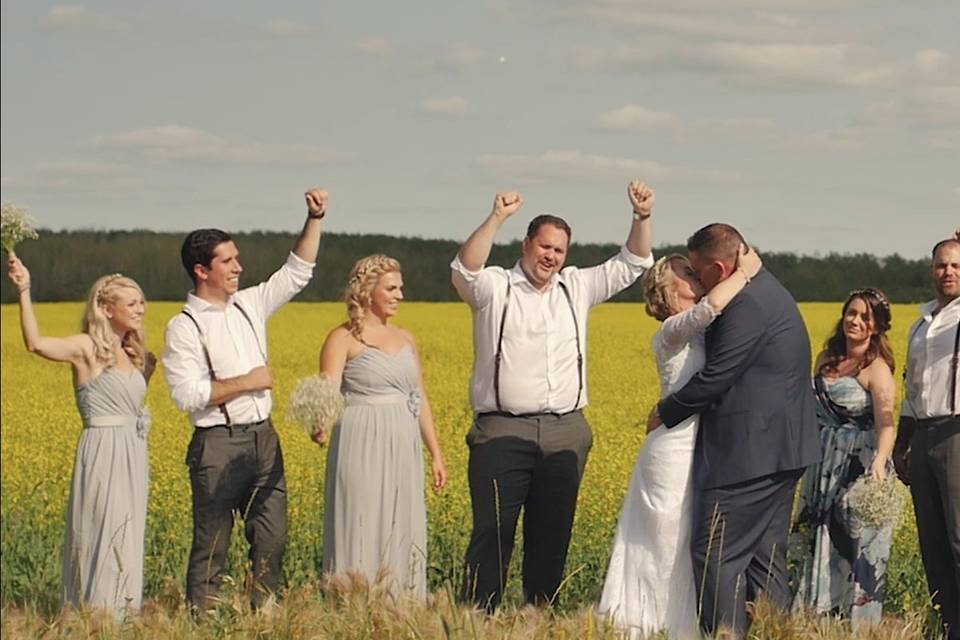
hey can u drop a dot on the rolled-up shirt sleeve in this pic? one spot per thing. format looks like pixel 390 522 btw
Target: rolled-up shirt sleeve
pixel 606 280
pixel 286 282
pixel 476 288
pixel 184 366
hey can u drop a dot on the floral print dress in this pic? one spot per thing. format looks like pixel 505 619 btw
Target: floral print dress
pixel 840 563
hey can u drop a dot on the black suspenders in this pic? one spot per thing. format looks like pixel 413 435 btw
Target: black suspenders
pixel 953 371
pixel 499 357
pixel 206 352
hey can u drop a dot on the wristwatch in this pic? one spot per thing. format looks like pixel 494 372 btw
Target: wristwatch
pixel 638 216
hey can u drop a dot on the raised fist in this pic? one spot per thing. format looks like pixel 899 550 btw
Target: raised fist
pixel 641 197
pixel 507 203
pixel 317 202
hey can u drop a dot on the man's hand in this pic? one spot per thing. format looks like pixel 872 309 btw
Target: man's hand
pixel 654 421
pixel 641 197
pixel 506 204
pixel 259 378
pixel 317 202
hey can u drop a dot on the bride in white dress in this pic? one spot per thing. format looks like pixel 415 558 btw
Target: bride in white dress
pixel 649 585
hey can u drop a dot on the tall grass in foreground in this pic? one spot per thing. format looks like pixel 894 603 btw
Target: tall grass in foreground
pixel 349 609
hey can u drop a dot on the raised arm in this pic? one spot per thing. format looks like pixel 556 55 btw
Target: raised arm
pixel 77 349
pixel 475 251
pixel 642 197
pixel 308 244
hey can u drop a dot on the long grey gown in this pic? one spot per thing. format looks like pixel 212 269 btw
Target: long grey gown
pixel 107 512
pixel 375 516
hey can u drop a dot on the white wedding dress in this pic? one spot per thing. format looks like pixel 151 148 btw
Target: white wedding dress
pixel 649 585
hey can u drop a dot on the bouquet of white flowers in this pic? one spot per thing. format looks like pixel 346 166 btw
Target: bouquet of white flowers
pixel 15 227
pixel 316 405
pixel 876 503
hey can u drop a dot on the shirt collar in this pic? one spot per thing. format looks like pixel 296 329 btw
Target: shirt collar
pixel 518 277
pixel 927 308
pixel 198 304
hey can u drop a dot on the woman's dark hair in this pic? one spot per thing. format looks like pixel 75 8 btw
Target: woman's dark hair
pixel 198 248
pixel 878 312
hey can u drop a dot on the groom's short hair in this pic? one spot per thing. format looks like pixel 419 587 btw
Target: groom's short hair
pixel 717 241
pixel 199 247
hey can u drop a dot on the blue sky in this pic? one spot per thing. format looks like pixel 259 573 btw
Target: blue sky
pixel 812 125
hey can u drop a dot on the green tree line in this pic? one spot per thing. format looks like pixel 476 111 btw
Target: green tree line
pixel 64 264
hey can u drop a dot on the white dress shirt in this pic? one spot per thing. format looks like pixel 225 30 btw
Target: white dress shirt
pixel 234 348
pixel 929 362
pixel 538 370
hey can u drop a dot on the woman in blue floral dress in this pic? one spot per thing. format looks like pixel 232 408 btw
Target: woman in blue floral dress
pixel 842 563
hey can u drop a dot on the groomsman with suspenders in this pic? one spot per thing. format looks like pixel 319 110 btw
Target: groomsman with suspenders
pixel 215 362
pixel 927 452
pixel 529 440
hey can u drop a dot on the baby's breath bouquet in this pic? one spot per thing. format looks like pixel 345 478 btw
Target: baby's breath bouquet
pixel 876 503
pixel 15 227
pixel 316 405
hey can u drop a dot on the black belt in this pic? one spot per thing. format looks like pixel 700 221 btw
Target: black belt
pixel 506 414
pixel 235 427
pixel 940 421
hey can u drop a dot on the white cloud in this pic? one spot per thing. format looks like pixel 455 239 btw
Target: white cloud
pixel 577 165
pixel 80 168
pixel 833 64
pixel 81 18
pixel 930 62
pixel 183 144
pixel 374 47
pixel 634 117
pixel 283 28
pixel 458 57
pixel 453 106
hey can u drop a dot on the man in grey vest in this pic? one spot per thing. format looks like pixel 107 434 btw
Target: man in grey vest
pixel 927 451
pixel 529 440
pixel 215 361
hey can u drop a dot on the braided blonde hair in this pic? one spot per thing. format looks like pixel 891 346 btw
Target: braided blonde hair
pixel 659 290
pixel 96 324
pixel 364 277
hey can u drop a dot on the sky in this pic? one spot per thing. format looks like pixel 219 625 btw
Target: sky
pixel 814 126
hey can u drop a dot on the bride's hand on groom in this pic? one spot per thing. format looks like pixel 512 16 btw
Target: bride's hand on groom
pixel 654 421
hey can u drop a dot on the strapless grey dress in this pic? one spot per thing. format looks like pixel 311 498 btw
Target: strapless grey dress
pixel 375 517
pixel 107 512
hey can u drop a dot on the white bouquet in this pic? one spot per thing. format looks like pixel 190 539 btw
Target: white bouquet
pixel 316 405
pixel 876 503
pixel 15 227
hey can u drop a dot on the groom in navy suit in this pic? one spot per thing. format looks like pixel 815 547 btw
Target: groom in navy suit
pixel 758 431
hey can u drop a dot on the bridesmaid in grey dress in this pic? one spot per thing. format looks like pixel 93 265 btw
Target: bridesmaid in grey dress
pixel 375 521
pixel 107 511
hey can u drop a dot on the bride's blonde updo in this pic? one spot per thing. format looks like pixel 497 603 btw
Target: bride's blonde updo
pixel 659 289
pixel 96 324
pixel 364 276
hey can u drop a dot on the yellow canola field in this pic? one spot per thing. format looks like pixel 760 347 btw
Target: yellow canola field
pixel 40 427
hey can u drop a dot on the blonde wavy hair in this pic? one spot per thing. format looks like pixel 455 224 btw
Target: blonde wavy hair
pixel 659 289
pixel 96 324
pixel 364 276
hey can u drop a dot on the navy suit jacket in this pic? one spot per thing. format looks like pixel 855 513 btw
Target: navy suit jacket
pixel 754 396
